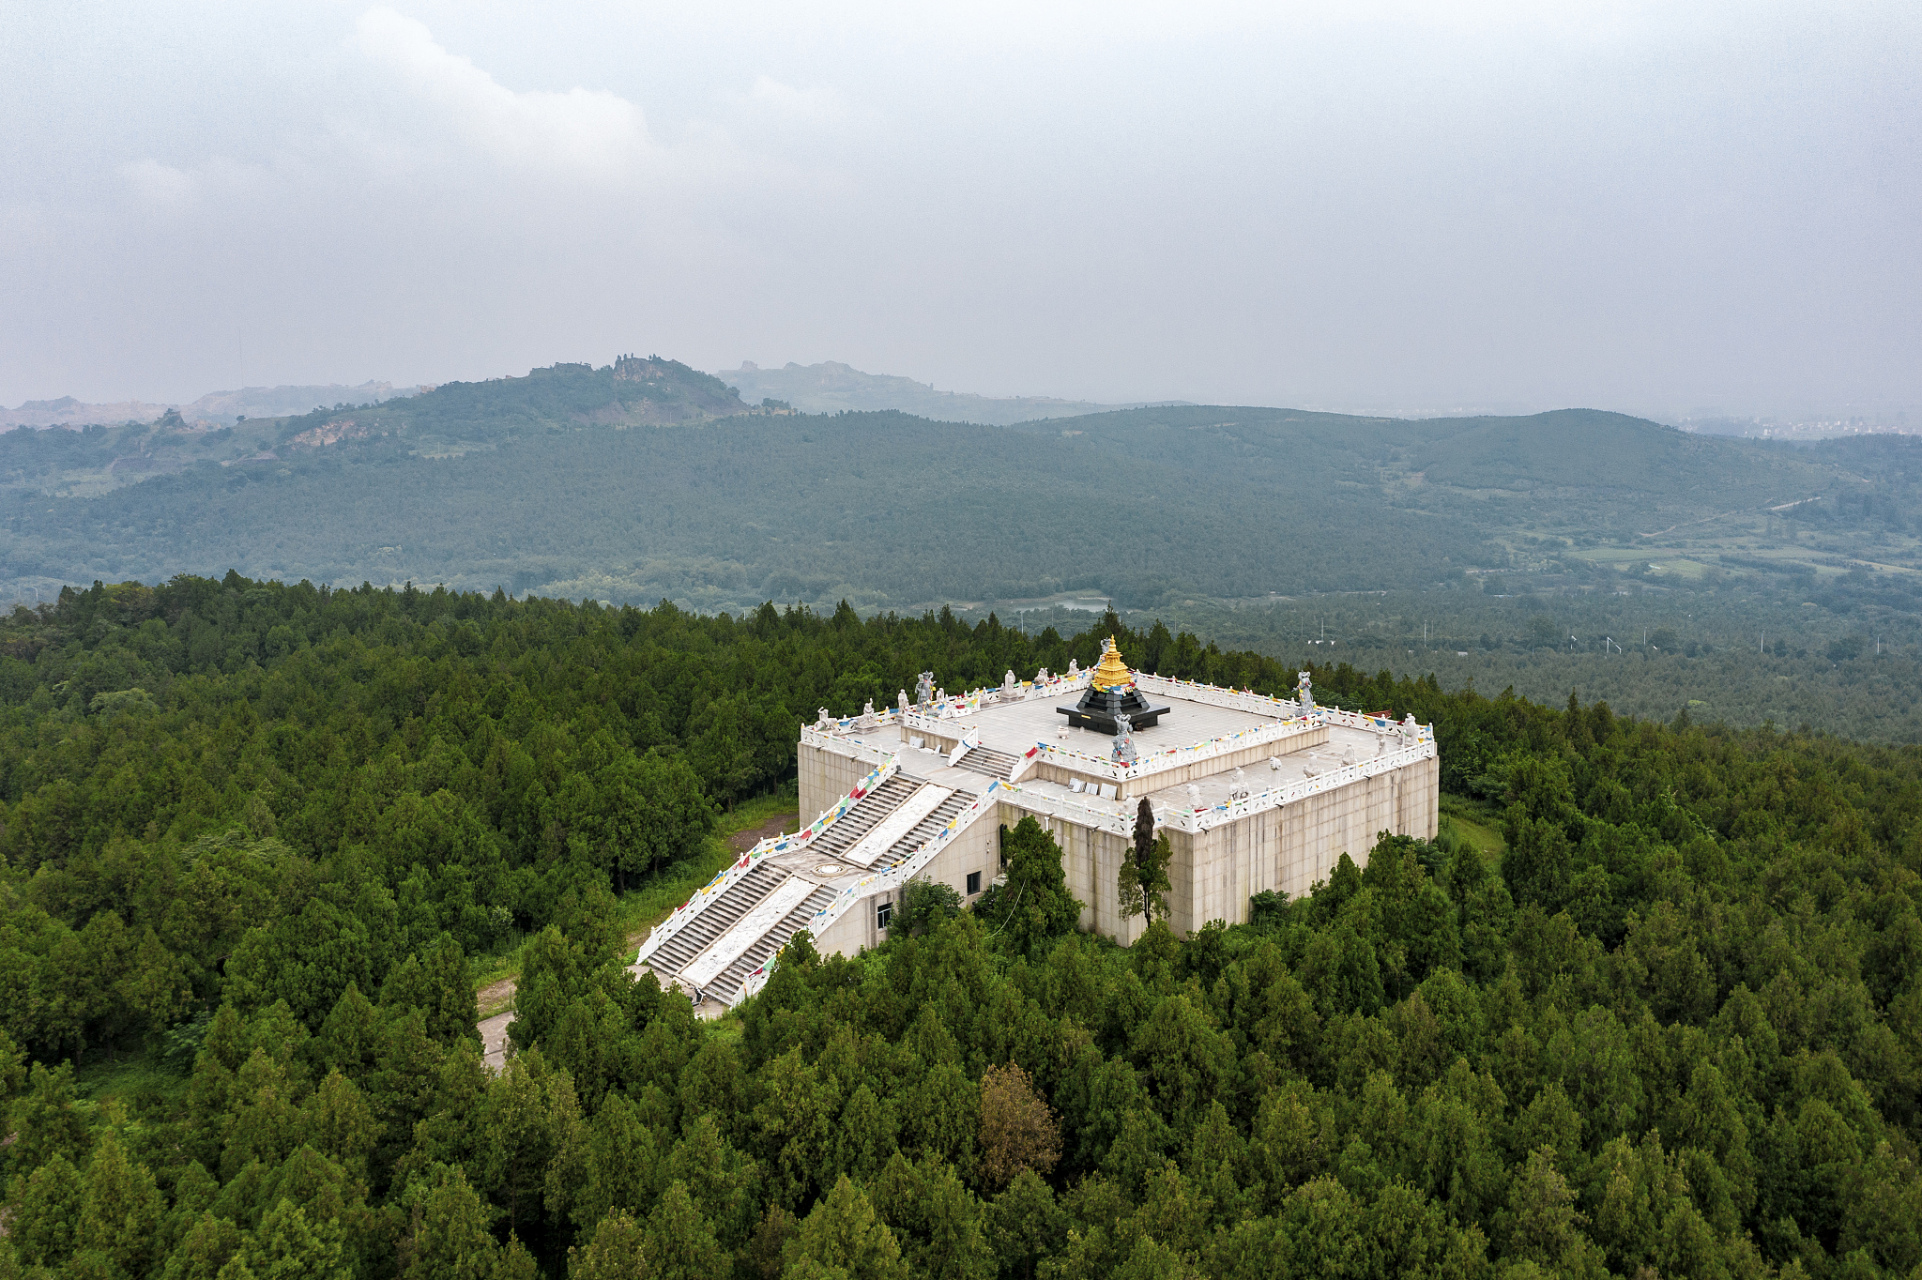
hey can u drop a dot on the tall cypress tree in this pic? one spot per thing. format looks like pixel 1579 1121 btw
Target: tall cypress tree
pixel 1142 885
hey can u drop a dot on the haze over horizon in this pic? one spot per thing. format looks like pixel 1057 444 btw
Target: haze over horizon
pixel 1390 210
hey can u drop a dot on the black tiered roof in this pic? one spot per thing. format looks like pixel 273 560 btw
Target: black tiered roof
pixel 1098 708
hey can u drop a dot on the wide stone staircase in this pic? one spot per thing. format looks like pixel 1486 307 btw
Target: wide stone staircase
pixel 923 831
pixel 726 986
pixel 728 938
pixel 732 934
pixel 714 920
pixel 988 762
pixel 868 813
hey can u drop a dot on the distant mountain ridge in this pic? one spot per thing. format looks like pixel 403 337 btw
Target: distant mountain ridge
pixel 645 479
pixel 216 408
pixel 831 387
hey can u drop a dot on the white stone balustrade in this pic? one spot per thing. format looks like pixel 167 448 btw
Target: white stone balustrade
pixel 667 928
pixel 881 882
pixel 1120 820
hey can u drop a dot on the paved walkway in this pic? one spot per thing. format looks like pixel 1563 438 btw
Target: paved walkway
pixel 494 1040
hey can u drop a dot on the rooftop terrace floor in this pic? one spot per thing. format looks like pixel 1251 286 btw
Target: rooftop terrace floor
pixel 1014 727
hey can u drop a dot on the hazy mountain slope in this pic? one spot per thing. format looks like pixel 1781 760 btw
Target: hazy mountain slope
pixel 830 387
pixel 220 408
pixel 1573 470
pixel 1557 451
pixel 451 419
pixel 646 479
pixel 882 508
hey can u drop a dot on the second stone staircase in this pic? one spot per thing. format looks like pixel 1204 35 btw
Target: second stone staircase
pixel 714 920
pixel 736 932
pixel 988 762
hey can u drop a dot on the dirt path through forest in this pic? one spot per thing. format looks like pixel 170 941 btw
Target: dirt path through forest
pixel 500 995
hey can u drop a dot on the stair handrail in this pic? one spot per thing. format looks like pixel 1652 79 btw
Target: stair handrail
pixel 970 739
pixel 868 886
pixel 723 880
pixel 1022 766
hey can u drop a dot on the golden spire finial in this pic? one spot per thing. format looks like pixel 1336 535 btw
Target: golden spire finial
pixel 1112 672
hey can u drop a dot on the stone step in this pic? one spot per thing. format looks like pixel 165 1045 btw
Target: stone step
pixel 714 918
pixel 989 762
pixel 925 830
pixel 726 985
pixel 868 812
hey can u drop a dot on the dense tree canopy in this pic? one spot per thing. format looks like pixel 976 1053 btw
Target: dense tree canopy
pixel 254 834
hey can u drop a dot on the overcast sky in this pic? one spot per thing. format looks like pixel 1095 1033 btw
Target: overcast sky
pixel 1659 207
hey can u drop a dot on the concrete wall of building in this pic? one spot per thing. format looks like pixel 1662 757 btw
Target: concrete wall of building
pixel 1213 874
pixel 1216 872
pixel 975 850
pixel 1180 775
pixel 852 932
pixel 824 777
pixel 978 849
pixel 1091 864
pixel 1420 799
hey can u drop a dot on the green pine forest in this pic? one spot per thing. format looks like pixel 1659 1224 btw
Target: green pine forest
pixel 1650 1005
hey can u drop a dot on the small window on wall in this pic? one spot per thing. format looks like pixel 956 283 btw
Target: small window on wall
pixel 974 883
pixel 883 912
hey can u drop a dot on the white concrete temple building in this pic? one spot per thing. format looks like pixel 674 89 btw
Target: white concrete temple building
pixel 1254 793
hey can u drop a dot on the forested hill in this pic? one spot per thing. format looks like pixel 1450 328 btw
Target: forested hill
pixel 646 480
pixel 256 839
pixel 830 387
pixel 1581 471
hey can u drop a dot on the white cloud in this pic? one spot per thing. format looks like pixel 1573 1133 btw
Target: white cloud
pixel 815 106
pixel 159 184
pixel 1458 194
pixel 215 180
pixel 586 131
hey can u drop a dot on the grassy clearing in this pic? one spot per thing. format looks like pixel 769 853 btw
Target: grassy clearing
pixel 1476 823
pixel 1620 555
pixel 641 909
pixel 126 1077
